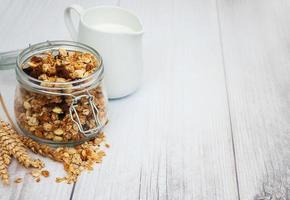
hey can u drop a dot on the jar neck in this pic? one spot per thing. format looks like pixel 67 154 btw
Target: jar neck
pixel 57 88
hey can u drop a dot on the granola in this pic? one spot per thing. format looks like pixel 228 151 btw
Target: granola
pixel 82 157
pixel 74 159
pixel 48 116
pixel 61 65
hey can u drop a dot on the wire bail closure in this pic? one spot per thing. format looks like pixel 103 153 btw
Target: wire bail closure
pixel 76 119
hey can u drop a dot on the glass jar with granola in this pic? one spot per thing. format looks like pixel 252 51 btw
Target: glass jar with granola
pixel 60 97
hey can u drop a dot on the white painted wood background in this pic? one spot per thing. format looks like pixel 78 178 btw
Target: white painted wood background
pixel 211 120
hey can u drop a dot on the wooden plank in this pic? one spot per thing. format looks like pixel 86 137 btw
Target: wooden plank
pixel 172 139
pixel 29 22
pixel 256 40
pixel 22 23
pixel 29 189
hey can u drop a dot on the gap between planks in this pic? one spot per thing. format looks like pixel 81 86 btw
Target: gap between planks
pixel 228 97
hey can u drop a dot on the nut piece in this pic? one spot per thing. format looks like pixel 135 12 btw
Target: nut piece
pixel 45 67
pixel 86 112
pixel 57 139
pixel 31 64
pixel 86 60
pixel 26 105
pixel 43 77
pixel 32 121
pixel 47 126
pixel 79 73
pixel 60 80
pixel 62 52
pixel 57 110
pixel 51 70
pixel 58 131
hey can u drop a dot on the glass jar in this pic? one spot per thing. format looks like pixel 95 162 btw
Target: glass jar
pixel 60 113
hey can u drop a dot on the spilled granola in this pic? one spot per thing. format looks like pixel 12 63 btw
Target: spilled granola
pixel 75 160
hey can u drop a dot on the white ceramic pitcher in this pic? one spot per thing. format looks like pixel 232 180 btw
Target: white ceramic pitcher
pixel 116 34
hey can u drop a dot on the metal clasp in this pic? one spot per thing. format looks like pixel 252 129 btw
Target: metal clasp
pixel 95 111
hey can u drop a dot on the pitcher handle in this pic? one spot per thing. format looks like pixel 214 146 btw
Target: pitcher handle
pixel 68 19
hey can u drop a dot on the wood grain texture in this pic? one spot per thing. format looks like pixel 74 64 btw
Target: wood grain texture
pixel 22 23
pixel 31 21
pixel 172 139
pixel 255 38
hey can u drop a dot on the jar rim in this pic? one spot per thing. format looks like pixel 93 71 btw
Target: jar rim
pixel 44 46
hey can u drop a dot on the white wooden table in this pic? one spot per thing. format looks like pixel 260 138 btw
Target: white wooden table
pixel 211 120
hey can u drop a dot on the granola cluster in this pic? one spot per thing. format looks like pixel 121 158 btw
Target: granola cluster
pixel 82 157
pixel 61 65
pixel 75 160
pixel 48 116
